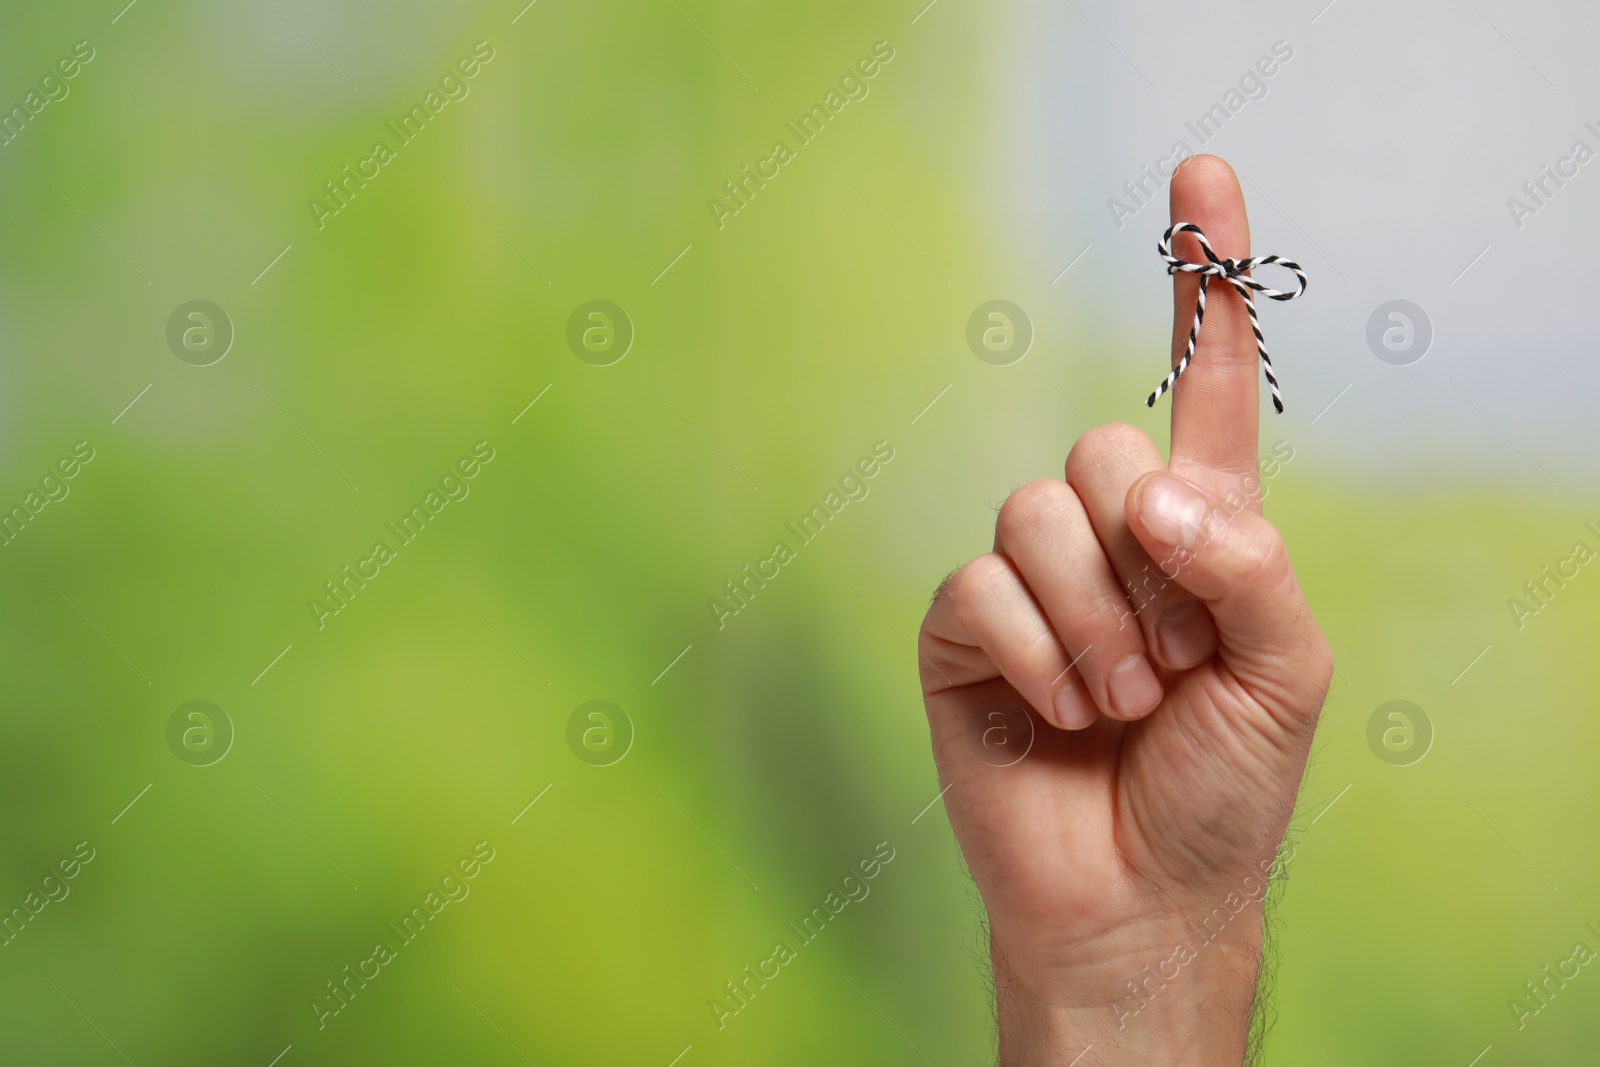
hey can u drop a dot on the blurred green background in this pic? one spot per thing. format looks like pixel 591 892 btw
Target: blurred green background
pixel 768 756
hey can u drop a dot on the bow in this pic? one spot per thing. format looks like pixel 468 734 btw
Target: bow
pixel 1235 273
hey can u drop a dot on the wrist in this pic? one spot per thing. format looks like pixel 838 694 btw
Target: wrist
pixel 1156 994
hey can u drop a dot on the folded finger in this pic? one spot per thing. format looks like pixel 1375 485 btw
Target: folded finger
pixel 1101 467
pixel 987 605
pixel 1044 528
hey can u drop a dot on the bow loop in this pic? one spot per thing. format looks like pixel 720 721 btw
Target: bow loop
pixel 1236 272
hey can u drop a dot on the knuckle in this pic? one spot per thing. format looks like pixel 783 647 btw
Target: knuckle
pixel 978 581
pixel 943 589
pixel 1323 666
pixel 1325 663
pixel 1102 448
pixel 1306 690
pixel 1036 659
pixel 1123 436
pixel 1263 557
pixel 1035 507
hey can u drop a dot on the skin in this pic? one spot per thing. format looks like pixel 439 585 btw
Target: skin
pixel 1164 765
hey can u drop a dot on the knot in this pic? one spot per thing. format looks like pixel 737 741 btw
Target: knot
pixel 1236 273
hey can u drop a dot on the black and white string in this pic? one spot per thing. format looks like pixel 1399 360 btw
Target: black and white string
pixel 1236 273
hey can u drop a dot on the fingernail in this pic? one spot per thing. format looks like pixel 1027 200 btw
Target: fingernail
pixel 1074 709
pixel 1135 689
pixel 1185 635
pixel 1172 509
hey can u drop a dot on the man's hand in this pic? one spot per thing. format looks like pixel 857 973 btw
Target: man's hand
pixel 1141 623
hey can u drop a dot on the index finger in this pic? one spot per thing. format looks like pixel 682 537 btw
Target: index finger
pixel 1216 405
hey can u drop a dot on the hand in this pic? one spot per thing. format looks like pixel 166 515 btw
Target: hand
pixel 1145 619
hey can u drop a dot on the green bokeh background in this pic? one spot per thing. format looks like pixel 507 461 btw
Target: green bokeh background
pixel 777 751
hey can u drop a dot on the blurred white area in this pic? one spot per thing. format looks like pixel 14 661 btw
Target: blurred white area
pixel 1381 157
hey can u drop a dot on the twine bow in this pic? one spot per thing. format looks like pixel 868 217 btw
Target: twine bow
pixel 1236 273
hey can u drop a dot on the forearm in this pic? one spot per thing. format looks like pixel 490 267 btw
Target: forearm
pixel 1186 1002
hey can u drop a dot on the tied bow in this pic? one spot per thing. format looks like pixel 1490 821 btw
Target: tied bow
pixel 1235 273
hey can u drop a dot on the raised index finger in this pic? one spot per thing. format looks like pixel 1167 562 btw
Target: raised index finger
pixel 1216 405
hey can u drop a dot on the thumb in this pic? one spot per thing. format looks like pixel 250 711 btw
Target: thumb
pixel 1236 562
